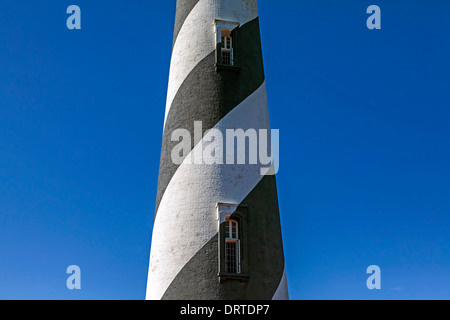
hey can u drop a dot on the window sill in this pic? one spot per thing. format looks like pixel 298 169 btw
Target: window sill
pixel 233 276
pixel 220 67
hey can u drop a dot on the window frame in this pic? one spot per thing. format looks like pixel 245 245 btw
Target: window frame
pixel 225 27
pixel 227 47
pixel 235 240
pixel 225 214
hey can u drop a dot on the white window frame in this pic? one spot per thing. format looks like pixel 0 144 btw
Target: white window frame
pixel 230 239
pixel 227 46
pixel 225 27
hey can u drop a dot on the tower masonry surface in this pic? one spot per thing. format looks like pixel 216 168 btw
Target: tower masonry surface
pixel 217 232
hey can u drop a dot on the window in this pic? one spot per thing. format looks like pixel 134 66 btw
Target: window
pixel 233 242
pixel 232 247
pixel 227 48
pixel 226 41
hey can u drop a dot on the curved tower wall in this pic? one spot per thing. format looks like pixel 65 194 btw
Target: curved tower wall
pixel 194 200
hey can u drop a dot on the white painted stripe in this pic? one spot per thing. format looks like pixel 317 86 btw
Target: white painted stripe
pixel 186 219
pixel 282 290
pixel 196 39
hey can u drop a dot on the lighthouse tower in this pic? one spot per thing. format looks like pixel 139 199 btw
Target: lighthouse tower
pixel 217 232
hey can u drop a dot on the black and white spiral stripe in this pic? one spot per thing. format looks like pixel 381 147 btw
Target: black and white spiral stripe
pixel 184 255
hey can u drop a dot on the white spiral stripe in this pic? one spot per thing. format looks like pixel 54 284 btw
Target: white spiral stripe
pixel 196 40
pixel 282 290
pixel 186 218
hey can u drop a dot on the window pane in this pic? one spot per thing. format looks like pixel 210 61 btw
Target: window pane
pixel 226 57
pixel 227 230
pixel 231 260
pixel 233 230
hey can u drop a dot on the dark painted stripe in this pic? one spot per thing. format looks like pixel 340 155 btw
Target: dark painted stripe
pixel 208 95
pixel 198 279
pixel 184 7
pixel 189 285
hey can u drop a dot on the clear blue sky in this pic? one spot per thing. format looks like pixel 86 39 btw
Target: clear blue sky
pixel 364 119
